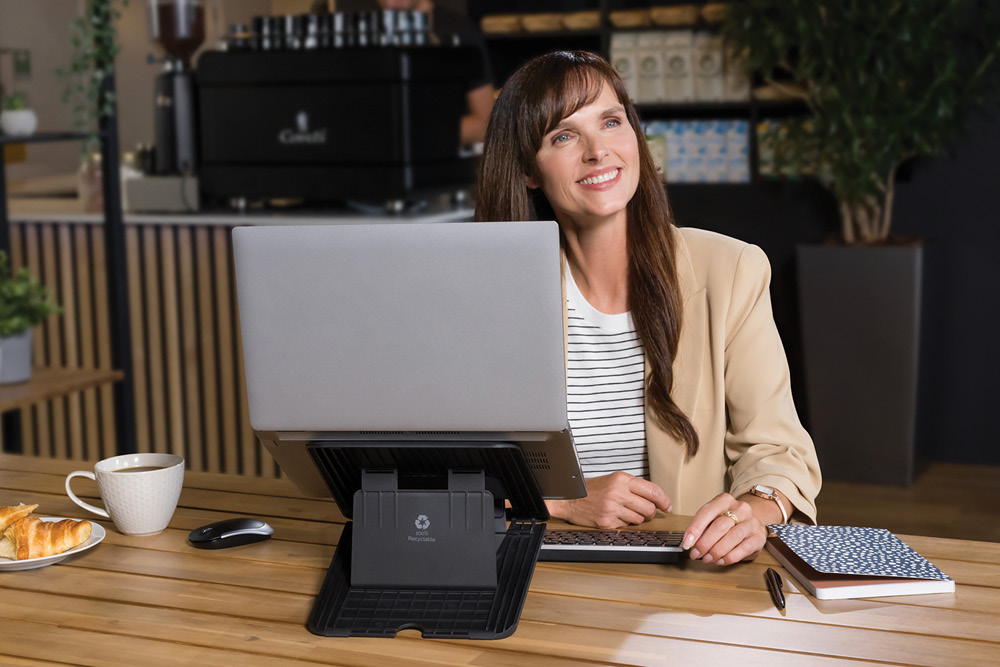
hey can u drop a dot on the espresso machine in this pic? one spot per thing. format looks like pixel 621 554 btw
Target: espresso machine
pixel 179 26
pixel 359 107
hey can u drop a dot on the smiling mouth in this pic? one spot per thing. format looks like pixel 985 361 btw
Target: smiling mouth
pixel 599 179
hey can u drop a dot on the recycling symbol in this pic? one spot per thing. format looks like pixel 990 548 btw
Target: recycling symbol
pixel 422 522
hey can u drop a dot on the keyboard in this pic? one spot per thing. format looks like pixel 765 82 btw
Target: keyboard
pixel 612 546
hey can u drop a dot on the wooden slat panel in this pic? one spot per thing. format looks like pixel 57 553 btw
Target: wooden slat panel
pixel 54 338
pixel 188 377
pixel 193 406
pixel 209 368
pixel 70 335
pixel 88 357
pixel 172 393
pixel 138 329
pixel 225 343
pixel 41 411
pixel 155 339
pixel 107 445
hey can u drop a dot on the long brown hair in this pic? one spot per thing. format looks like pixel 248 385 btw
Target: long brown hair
pixel 533 101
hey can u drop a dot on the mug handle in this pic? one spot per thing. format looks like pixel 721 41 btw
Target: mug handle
pixel 72 496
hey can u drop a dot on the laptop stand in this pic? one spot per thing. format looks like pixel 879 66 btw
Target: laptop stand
pixel 429 547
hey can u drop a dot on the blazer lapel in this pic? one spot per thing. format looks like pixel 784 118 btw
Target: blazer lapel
pixel 690 361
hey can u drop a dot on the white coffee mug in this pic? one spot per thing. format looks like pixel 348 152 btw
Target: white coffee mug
pixel 140 491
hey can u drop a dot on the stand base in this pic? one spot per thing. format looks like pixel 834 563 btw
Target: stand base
pixel 344 611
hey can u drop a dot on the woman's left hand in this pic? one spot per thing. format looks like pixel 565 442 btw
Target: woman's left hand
pixel 725 531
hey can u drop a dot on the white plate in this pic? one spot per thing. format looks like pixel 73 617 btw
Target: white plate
pixel 97 534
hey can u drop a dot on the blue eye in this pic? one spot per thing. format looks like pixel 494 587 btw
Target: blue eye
pixel 559 138
pixel 614 122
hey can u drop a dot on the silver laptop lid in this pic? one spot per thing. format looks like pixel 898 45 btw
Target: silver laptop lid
pixel 403 327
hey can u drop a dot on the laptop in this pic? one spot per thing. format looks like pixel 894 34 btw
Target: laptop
pixel 422 332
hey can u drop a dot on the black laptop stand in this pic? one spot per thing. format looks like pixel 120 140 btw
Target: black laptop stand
pixel 429 546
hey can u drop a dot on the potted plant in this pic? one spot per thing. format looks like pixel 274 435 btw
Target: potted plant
pixel 882 83
pixel 94 50
pixel 24 303
pixel 16 118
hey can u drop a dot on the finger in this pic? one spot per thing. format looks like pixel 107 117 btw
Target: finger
pixel 631 517
pixel 641 506
pixel 651 492
pixel 751 545
pixel 705 516
pixel 733 536
pixel 622 517
pixel 713 533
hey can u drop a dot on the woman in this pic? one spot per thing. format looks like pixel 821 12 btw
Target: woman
pixel 684 312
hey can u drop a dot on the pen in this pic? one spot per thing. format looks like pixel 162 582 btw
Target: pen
pixel 774 585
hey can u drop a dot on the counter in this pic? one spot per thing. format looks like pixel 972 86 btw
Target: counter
pixel 187 366
pixel 68 210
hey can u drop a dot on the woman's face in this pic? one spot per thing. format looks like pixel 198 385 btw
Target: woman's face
pixel 588 166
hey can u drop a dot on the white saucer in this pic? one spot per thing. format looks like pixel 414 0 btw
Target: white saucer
pixel 96 535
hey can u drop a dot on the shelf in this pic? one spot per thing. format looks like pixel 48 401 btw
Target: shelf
pixel 713 110
pixel 47 383
pixel 43 137
pixel 732 109
pixel 542 34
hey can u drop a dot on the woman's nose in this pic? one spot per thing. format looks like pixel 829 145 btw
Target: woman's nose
pixel 594 150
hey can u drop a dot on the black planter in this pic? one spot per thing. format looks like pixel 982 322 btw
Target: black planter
pixel 860 310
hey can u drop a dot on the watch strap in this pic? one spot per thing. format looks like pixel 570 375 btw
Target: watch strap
pixel 761 493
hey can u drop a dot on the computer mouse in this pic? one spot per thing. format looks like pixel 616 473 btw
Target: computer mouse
pixel 230 533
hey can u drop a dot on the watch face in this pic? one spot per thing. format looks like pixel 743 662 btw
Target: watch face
pixel 764 489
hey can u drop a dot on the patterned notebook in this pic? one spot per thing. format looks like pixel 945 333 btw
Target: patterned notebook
pixel 847 562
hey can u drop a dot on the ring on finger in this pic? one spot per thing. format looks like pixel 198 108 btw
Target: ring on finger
pixel 732 516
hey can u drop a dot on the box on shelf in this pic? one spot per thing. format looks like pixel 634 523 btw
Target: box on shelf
pixel 679 82
pixel 675 149
pixel 707 151
pixel 674 15
pixel 657 143
pixel 500 23
pixel 716 158
pixel 651 75
pixel 738 151
pixel 695 151
pixel 624 59
pixel 707 67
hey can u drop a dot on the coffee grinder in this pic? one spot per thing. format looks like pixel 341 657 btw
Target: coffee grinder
pixel 179 26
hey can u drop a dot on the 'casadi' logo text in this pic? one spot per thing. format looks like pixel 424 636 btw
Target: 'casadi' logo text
pixel 302 134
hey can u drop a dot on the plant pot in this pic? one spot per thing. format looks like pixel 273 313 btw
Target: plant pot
pixel 15 358
pixel 860 311
pixel 18 123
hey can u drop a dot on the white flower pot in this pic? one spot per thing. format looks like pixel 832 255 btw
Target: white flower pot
pixel 19 123
pixel 15 357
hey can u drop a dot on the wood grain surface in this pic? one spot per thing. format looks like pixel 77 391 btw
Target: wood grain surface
pixel 157 600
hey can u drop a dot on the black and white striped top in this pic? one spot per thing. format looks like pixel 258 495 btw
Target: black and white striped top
pixel 605 370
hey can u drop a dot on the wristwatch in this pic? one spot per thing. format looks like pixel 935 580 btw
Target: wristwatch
pixel 770 494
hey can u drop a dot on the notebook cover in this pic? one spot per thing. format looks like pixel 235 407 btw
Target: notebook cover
pixel 837 562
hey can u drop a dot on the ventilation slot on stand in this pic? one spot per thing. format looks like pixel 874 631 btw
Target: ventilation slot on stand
pixel 537 460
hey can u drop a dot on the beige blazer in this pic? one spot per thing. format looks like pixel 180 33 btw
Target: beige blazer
pixel 731 379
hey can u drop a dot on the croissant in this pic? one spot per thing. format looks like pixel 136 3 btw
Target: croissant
pixel 34 538
pixel 14 513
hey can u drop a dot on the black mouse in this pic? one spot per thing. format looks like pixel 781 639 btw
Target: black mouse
pixel 230 533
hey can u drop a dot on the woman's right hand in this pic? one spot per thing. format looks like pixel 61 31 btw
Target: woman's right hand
pixel 612 501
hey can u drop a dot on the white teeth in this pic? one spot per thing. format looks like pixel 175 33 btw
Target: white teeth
pixel 599 179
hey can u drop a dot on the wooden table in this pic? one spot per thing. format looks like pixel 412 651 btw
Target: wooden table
pixel 156 600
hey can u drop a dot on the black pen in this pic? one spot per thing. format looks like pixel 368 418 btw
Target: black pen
pixel 774 585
